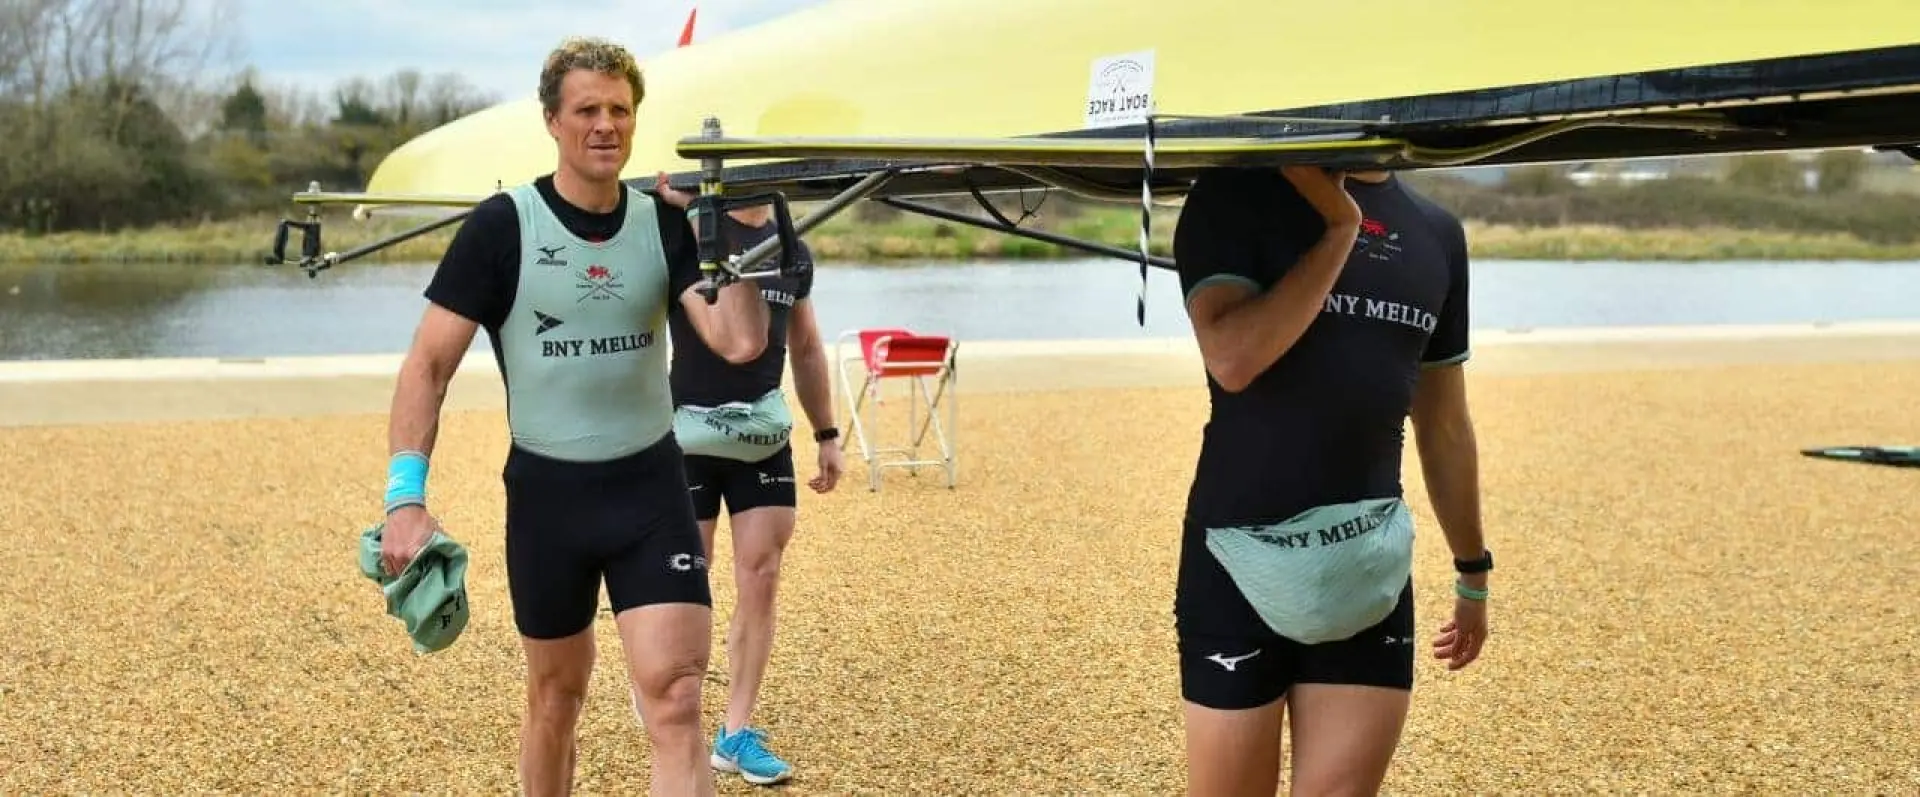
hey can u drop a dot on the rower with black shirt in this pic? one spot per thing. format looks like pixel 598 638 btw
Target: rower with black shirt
pixel 734 424
pixel 1329 310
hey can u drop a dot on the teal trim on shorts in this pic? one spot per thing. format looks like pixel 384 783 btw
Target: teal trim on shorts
pixel 1213 279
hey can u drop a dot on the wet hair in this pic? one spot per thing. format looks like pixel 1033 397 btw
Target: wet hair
pixel 594 55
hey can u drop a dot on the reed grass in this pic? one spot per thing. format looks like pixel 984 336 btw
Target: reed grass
pixel 1597 242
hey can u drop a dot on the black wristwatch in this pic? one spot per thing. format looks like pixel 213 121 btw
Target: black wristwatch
pixel 823 435
pixel 1471 566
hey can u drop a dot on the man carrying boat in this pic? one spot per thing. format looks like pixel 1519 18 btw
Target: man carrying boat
pixel 572 275
pixel 734 424
pixel 1328 310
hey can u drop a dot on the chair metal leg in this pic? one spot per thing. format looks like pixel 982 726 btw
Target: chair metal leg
pixel 860 426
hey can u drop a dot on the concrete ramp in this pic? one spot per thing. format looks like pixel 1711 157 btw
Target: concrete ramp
pixel 97 391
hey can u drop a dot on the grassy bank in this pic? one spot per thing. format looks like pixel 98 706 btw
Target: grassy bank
pixel 244 240
pixel 909 237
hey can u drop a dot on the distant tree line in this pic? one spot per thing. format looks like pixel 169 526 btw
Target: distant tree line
pixel 1827 193
pixel 118 113
pixel 1842 191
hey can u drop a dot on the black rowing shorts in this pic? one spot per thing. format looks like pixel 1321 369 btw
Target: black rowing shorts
pixel 1230 659
pixel 744 485
pixel 573 525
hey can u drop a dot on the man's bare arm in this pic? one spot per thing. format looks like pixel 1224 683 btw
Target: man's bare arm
pixel 809 356
pixel 420 389
pixel 1242 333
pixel 1449 456
pixel 735 326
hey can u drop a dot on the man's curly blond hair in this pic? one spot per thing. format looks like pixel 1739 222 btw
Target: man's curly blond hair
pixel 594 55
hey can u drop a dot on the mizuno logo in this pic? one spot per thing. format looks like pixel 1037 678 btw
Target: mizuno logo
pixel 549 256
pixel 1228 663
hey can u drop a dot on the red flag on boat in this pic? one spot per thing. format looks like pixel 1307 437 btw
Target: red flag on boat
pixel 686 33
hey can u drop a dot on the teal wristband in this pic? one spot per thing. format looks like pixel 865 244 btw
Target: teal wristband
pixel 1460 588
pixel 406 480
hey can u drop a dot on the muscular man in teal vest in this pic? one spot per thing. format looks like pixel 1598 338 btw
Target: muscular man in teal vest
pixel 572 276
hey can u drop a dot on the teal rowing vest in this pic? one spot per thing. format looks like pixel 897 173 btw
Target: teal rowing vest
pixel 583 351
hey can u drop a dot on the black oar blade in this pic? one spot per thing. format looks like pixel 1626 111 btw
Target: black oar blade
pixel 1896 456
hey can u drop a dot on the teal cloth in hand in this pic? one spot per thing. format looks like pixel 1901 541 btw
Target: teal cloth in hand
pixel 430 596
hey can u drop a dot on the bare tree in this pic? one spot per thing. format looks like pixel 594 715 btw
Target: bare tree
pixel 123 40
pixel 403 96
pixel 164 50
pixel 292 106
pixel 26 52
pixel 449 96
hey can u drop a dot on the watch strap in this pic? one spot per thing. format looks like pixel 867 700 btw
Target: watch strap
pixel 1470 566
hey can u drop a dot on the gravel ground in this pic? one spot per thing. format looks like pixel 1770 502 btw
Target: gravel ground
pixel 1683 605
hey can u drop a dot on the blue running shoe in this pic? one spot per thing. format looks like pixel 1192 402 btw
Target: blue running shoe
pixel 745 751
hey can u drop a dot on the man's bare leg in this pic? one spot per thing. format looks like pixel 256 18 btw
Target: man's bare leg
pixel 1234 753
pixel 1344 737
pixel 706 537
pixel 760 536
pixel 667 645
pixel 558 672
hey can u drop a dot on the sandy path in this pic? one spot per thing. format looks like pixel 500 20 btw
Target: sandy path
pixel 1683 605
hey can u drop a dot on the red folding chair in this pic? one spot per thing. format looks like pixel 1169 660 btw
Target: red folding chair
pixel 919 359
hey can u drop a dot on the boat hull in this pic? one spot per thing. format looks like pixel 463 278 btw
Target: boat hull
pixel 1451 75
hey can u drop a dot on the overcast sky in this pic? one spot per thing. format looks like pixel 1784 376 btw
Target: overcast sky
pixel 496 44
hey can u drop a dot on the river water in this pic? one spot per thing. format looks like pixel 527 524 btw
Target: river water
pixel 131 311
